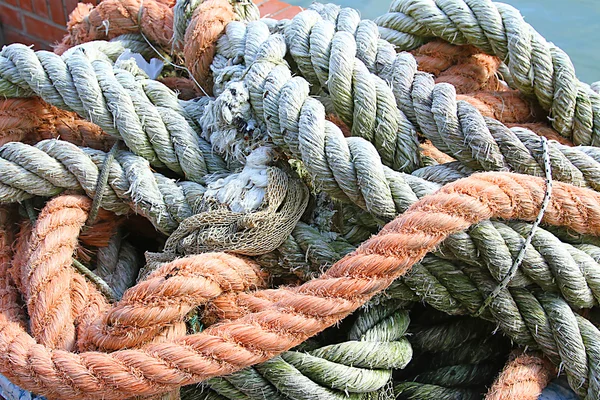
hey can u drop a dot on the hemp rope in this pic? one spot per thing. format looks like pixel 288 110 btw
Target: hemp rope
pixel 382 259
pixel 523 378
pixel 144 113
pixel 49 282
pixel 32 120
pixel 52 166
pixel 118 264
pixel 490 145
pixel 206 25
pixel 167 295
pixel 538 68
pixel 111 18
pixel 360 365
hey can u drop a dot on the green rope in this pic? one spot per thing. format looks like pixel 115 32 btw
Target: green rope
pixel 538 68
pixel 52 166
pixel 144 113
pixel 352 369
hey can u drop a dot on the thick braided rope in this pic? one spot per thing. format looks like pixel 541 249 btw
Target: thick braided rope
pixel 142 112
pixel 302 312
pixel 168 295
pixel 523 378
pixel 112 18
pixel 31 120
pixel 118 264
pixel 363 364
pixel 206 25
pixel 530 318
pixel 8 293
pixel 52 166
pixel 455 127
pixel 296 122
pixel 361 100
pixel 538 68
pixel 48 280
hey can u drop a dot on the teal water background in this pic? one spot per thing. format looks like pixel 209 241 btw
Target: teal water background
pixel 573 25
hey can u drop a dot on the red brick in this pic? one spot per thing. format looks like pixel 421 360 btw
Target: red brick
pixel 43 30
pixel 57 12
pixel 271 7
pixel 287 13
pixel 11 2
pixel 40 7
pixel 259 2
pixel 26 5
pixel 12 36
pixel 70 5
pixel 10 17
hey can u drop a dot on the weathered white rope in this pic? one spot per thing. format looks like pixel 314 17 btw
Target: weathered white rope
pixel 144 113
pixel 52 166
pixel 538 68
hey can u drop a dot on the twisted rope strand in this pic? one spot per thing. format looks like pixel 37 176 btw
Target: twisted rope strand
pixel 52 166
pixel 144 113
pixel 538 68
pixel 302 312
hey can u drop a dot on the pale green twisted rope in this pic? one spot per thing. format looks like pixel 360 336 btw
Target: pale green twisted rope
pixel 52 166
pixel 353 369
pixel 144 113
pixel 348 169
pixel 362 100
pixel 456 128
pixel 118 264
pixel 537 319
pixel 538 68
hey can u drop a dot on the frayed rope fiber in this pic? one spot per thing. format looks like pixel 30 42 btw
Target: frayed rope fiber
pixel 301 312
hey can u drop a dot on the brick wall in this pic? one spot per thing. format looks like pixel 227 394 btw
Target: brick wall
pixel 37 22
pixel 42 22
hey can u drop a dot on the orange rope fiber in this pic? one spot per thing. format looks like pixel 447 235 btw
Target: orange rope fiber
pixel 299 312
pixel 523 378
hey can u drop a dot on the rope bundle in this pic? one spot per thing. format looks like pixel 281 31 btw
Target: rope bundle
pixel 330 176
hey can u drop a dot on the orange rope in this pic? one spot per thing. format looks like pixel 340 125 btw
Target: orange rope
pixel 168 295
pixel 523 378
pixel 207 24
pixel 506 107
pixel 300 312
pixel 112 18
pixel 31 120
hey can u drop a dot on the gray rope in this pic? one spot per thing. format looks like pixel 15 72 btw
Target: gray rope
pixel 362 100
pixel 144 113
pixel 296 123
pixel 538 68
pixel 456 128
pixel 423 391
pixel 52 166
pixel 118 264
pixel 345 370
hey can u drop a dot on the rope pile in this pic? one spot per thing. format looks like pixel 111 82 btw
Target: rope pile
pixel 197 203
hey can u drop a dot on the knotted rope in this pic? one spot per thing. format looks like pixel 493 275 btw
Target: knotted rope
pixel 538 68
pixel 260 336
